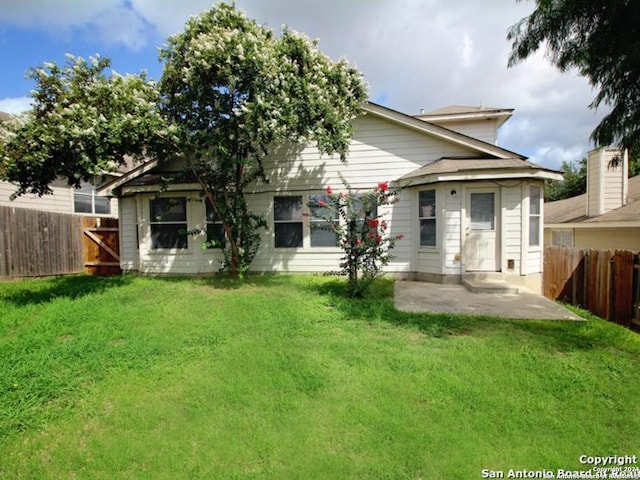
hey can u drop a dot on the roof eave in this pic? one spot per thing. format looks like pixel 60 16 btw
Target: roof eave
pixel 592 224
pixel 468 176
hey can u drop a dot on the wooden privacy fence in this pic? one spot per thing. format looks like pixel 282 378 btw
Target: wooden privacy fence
pixel 36 243
pixel 605 282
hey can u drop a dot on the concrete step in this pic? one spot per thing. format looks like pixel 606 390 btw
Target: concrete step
pixel 475 285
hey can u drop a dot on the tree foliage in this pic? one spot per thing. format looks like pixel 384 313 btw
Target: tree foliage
pixel 574 182
pixel 230 91
pixel 234 90
pixel 81 125
pixel 601 39
pixel 362 233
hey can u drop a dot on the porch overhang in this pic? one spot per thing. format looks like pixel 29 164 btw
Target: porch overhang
pixel 457 170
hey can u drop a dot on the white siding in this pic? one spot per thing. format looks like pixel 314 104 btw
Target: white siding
pixel 606 181
pixel 128 236
pixel 512 226
pixel 61 201
pixel 452 227
pixel 379 151
pixel 484 129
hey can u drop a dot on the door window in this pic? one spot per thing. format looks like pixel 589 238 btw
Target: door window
pixel 482 211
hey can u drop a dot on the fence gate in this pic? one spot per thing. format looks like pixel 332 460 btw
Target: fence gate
pixel 101 247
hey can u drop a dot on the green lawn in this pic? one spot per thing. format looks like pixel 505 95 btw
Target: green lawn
pixel 281 377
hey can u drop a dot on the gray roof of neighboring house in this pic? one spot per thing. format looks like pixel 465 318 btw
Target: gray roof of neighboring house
pixel 574 209
pixel 462 109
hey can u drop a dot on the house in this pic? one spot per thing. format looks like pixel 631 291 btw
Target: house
pixel 466 205
pixel 607 216
pixel 65 198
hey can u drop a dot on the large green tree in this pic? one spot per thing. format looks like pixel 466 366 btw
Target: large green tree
pixel 601 39
pixel 234 91
pixel 231 90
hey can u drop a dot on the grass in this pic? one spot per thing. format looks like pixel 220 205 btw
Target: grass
pixel 281 377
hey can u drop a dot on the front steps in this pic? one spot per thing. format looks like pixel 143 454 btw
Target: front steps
pixel 488 283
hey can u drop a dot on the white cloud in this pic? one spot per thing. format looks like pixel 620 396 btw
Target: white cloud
pixel 414 53
pixel 15 105
pixel 112 21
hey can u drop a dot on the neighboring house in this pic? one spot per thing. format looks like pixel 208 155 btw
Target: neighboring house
pixel 65 199
pixel 466 205
pixel 607 216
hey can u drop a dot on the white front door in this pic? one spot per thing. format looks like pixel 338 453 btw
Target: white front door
pixel 481 234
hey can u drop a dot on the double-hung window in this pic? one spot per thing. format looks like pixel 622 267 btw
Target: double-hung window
pixel 169 223
pixel 215 229
pixel 324 220
pixel 427 217
pixel 86 200
pixel 535 208
pixel 287 219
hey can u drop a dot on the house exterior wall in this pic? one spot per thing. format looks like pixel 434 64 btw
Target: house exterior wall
pixel 608 238
pixel 607 182
pixel 61 201
pixel 380 151
pixel 485 129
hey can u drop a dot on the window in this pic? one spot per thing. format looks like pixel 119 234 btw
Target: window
pixel 562 238
pixel 287 219
pixel 483 211
pixel 215 229
pixel 427 216
pixel 322 234
pixel 168 223
pixel 535 208
pixel 86 200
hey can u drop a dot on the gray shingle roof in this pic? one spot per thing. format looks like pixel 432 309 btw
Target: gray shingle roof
pixel 574 209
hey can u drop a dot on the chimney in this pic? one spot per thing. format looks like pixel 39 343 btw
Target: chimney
pixel 607 180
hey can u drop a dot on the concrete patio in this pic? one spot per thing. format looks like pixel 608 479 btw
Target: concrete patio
pixel 438 298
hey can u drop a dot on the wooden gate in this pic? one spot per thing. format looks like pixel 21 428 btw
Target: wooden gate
pixel 101 246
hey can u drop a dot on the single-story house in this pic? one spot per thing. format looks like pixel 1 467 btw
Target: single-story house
pixel 467 206
pixel 64 199
pixel 607 216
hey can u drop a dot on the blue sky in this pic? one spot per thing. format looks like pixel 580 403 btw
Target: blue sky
pixel 414 54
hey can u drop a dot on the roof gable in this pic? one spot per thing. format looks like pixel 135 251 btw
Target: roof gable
pixel 440 132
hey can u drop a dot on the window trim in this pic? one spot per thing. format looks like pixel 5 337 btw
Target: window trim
pixel 317 220
pixel 433 217
pixel 93 196
pixel 280 222
pixel 164 250
pixel 533 216
pixel 215 221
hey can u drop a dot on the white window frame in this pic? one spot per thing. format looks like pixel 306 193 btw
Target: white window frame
pixel 184 223
pixel 93 196
pixel 433 216
pixel 535 217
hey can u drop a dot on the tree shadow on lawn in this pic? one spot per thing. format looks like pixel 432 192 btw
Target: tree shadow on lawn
pixel 222 281
pixel 34 291
pixel 552 335
pixel 378 305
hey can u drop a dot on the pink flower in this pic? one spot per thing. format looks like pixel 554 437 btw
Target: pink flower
pixel 383 224
pixel 384 186
pixel 373 223
pixel 378 238
pixel 329 190
pixel 372 235
pixel 358 242
pixel 322 203
pixel 399 236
